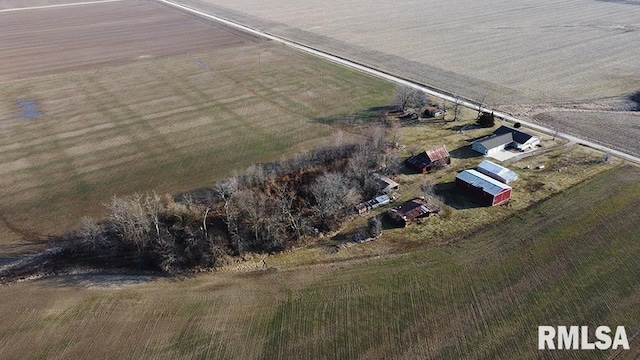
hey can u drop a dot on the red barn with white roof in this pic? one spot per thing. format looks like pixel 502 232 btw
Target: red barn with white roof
pixel 484 189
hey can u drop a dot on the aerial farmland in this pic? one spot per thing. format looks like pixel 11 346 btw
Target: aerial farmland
pixel 511 54
pixel 91 95
pixel 194 126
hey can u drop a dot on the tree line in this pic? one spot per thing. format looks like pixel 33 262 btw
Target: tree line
pixel 265 209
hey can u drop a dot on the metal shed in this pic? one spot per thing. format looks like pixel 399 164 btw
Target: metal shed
pixel 497 172
pixel 485 190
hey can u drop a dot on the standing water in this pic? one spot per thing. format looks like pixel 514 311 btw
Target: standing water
pixel 29 108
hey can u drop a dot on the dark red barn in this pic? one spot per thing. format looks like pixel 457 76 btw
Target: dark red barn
pixel 429 160
pixel 485 190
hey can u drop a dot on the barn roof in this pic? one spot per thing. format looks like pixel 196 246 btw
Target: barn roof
pixel 427 157
pixel 488 167
pixel 494 140
pixel 386 183
pixel 413 209
pixel 489 185
pixel 419 161
pixel 438 153
pixel 518 136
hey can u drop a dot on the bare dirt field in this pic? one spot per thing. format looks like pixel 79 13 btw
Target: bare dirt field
pixel 50 41
pixel 506 52
pixel 24 4
pixel 621 127
pixel 109 99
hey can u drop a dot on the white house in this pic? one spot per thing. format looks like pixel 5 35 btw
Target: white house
pixel 504 137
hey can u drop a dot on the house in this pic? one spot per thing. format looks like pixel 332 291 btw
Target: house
pixel 428 160
pixel 497 172
pixel 521 141
pixel 504 137
pixel 492 144
pixel 484 189
pixel 374 203
pixel 411 210
pixel 433 111
pixel 386 184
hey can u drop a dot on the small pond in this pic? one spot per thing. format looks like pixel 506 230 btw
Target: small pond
pixel 29 108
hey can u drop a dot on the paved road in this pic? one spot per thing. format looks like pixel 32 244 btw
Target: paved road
pixel 398 80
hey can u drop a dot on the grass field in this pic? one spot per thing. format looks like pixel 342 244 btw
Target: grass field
pixel 503 52
pixel 173 103
pixel 172 114
pixel 573 259
pixel 564 51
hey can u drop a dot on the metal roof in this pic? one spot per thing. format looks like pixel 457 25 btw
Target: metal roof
pixel 413 209
pixel 493 141
pixel 383 199
pixel 427 157
pixel 489 185
pixel 518 136
pixel 386 182
pixel 487 167
pixel 438 153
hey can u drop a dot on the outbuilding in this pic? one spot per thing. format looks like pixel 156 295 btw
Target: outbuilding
pixel 433 112
pixel 485 190
pixel 411 210
pixel 374 203
pixel 497 172
pixel 428 160
pixel 386 184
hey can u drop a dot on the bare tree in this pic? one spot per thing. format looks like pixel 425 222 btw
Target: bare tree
pixel 456 109
pixel 225 190
pixel 481 105
pixel 401 97
pixel 428 189
pixel 394 136
pixel 286 199
pixel 251 211
pixel 153 207
pixel 254 175
pixel 130 221
pixel 408 97
pixel 93 237
pixel 334 196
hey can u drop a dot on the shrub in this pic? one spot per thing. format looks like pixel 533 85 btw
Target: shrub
pixel 486 120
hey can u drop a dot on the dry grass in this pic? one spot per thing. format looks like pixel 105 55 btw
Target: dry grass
pixel 169 124
pixel 505 52
pixel 564 51
pixel 570 260
pixel 565 166
pixel 621 128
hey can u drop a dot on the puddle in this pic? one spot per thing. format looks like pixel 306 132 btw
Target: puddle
pixel 29 108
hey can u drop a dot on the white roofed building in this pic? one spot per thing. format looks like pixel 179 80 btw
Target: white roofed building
pixel 497 172
pixel 485 190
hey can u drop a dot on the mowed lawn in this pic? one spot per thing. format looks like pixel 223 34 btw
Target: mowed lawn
pixel 166 124
pixel 571 260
